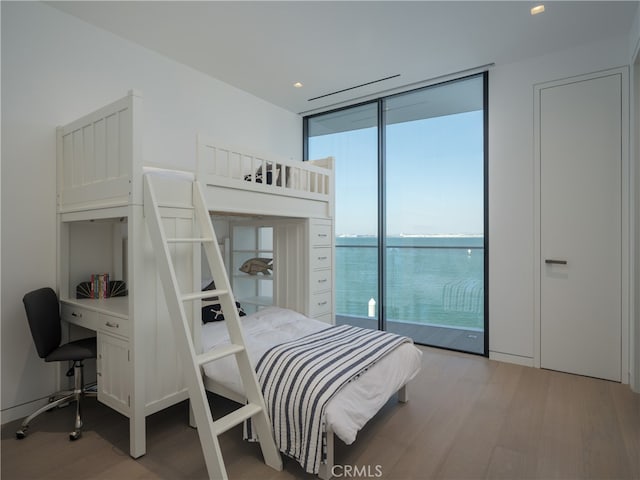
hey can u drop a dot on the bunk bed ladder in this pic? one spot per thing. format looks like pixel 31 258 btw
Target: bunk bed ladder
pixel 192 362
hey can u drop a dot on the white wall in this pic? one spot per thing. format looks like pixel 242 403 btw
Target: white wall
pixel 511 188
pixel 54 69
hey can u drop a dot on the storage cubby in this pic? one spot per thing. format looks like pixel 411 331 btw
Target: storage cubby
pixel 94 247
pixel 248 241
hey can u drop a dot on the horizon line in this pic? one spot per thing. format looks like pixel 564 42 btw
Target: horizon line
pixel 411 235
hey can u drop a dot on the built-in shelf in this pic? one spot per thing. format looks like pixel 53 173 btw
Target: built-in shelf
pixel 251 240
pixel 259 276
pixel 258 301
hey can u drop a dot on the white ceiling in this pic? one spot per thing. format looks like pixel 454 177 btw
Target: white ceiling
pixel 263 47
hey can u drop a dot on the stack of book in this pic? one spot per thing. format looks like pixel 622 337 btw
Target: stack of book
pixel 99 285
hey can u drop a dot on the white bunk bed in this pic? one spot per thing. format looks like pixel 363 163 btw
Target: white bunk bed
pixel 236 182
pixel 296 200
pixel 101 229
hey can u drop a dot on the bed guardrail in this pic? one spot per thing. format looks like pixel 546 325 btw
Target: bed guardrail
pixel 225 166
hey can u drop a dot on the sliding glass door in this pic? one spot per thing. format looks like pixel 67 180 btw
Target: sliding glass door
pixel 434 202
pixel 411 212
pixel 353 134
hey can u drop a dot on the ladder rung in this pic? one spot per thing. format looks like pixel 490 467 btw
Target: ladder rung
pixel 190 240
pixel 236 417
pixel 218 353
pixel 204 294
pixel 182 206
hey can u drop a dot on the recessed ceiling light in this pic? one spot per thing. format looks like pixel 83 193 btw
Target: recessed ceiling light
pixel 297 85
pixel 537 9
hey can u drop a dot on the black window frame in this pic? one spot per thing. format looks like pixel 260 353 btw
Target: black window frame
pixel 379 101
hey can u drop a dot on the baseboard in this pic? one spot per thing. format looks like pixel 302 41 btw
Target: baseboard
pixel 20 411
pixel 509 358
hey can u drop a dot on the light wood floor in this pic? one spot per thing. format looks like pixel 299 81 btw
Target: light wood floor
pixel 467 418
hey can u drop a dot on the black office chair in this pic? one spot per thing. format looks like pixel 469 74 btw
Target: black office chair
pixel 43 313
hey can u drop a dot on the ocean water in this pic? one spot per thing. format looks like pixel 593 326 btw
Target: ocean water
pixel 435 280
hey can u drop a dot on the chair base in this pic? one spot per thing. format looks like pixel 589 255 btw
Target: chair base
pixel 66 396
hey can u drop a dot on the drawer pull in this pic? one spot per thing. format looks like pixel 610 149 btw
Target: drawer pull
pixel 322 258
pixel 322 280
pixel 112 325
pixel 320 304
pixel 78 315
pixel 323 235
pixel 555 262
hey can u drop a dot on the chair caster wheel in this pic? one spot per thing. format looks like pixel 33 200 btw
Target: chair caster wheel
pixel 74 436
pixel 20 434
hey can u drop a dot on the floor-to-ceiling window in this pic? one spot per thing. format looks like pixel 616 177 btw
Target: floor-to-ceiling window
pixel 411 246
pixel 353 133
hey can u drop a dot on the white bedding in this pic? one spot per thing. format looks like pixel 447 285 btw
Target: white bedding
pixel 354 405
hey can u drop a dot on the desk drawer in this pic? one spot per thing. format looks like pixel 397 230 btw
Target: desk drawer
pixel 320 304
pixel 114 325
pixel 321 280
pixel 320 234
pixel 79 316
pixel 320 258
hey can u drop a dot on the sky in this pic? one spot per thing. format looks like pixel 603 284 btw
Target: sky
pixel 434 169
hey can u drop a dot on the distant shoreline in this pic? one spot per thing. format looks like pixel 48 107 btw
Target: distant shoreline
pixel 415 235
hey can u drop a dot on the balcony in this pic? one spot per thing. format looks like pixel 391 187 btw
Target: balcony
pixel 434 288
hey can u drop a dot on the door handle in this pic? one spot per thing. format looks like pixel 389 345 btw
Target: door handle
pixel 550 261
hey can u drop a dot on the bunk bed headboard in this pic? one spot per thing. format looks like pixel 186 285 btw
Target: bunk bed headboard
pixel 99 157
pixel 238 181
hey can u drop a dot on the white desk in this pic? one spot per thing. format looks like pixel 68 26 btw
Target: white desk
pixel 109 318
pixel 110 314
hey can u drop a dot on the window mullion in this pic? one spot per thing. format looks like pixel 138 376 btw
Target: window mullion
pixel 382 227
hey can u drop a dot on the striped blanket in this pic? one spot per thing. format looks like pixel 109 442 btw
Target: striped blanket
pixel 299 377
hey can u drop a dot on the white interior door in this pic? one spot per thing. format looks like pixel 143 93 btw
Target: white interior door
pixel 580 227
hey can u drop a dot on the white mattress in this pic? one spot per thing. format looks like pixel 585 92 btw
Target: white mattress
pixel 354 405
